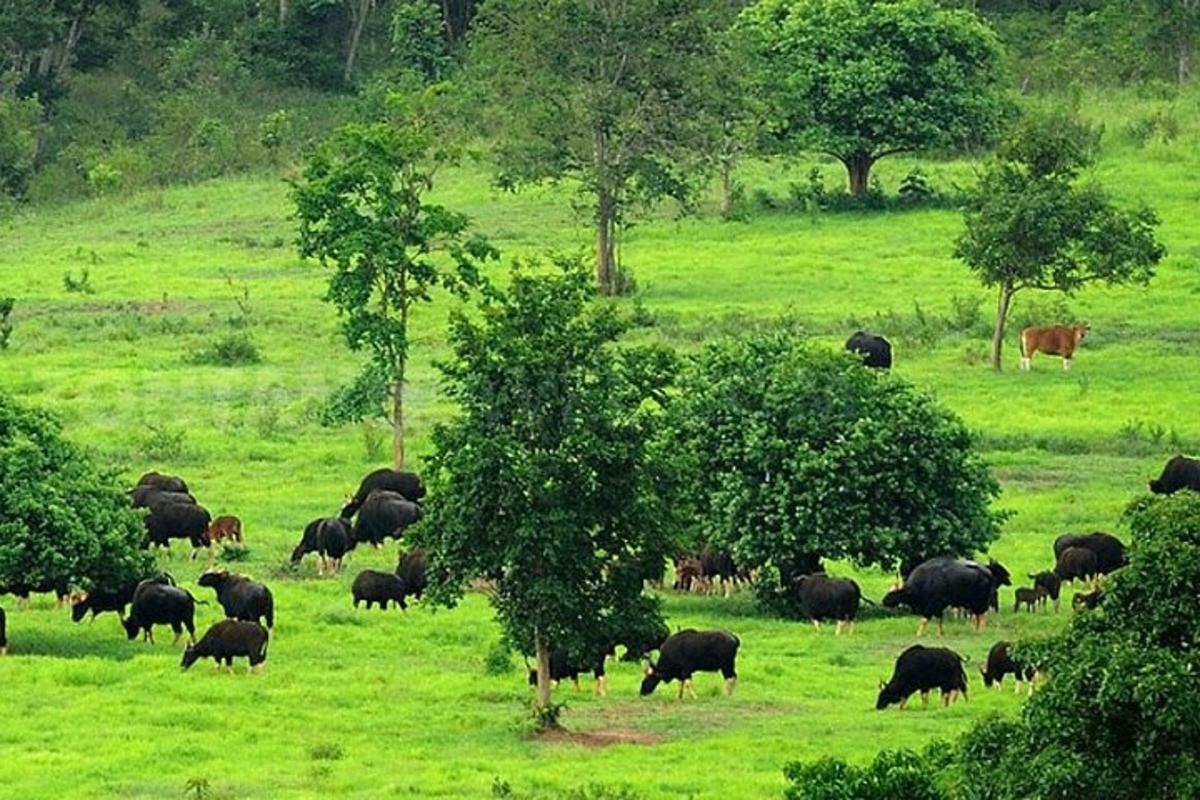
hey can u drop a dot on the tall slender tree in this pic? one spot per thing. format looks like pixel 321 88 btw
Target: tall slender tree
pixel 362 211
pixel 600 91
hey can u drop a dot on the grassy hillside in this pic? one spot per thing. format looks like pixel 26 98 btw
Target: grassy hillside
pixel 368 704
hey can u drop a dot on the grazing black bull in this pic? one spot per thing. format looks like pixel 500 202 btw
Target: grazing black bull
pixel 1050 584
pixel 164 483
pixel 823 598
pixel 385 514
pixel 99 600
pixel 1110 553
pixel 942 583
pixel 330 539
pixel 922 669
pixel 689 651
pixel 407 484
pixel 1000 663
pixel 1179 473
pixel 374 586
pixel 562 666
pixel 1077 563
pixel 229 639
pixel 875 351
pixel 241 597
pixel 179 521
pixel 3 634
pixel 160 604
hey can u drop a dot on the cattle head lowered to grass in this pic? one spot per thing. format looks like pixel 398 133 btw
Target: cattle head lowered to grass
pixel 689 651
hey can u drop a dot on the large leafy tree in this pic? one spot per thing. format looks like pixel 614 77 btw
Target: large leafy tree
pixel 63 521
pixel 362 210
pixel 860 80
pixel 600 91
pixel 1033 225
pixel 785 453
pixel 542 481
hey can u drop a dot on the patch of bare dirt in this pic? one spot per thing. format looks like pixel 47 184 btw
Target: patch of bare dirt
pixel 598 738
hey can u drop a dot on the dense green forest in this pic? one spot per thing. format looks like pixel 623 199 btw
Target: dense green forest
pixel 101 96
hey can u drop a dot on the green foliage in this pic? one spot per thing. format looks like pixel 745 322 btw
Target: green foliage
pixel 542 483
pixel 602 92
pixel 19 127
pixel 498 660
pixel 1030 225
pixel 6 326
pixel 418 40
pixel 63 522
pixel 233 349
pixel 361 211
pixel 234 552
pixel 786 453
pixel 163 442
pixel 80 285
pixel 861 80
pixel 274 130
pixel 893 774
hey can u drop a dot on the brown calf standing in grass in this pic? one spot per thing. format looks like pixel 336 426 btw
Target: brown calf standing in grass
pixel 225 527
pixel 1032 598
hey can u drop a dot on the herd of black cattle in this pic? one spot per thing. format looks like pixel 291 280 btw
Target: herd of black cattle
pixel 388 501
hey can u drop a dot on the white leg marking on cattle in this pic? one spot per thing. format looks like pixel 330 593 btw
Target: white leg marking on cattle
pixel 816 625
pixel 1066 364
pixel 1026 362
pixel 691 689
pixel 921 628
pixel 730 683
pixel 838 631
pixel 602 686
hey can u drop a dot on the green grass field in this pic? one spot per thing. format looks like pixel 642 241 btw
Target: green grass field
pixel 371 704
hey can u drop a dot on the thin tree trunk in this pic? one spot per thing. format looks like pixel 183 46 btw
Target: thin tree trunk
pixel 726 186
pixel 1184 62
pixel 448 21
pixel 1005 300
pixel 398 387
pixel 285 11
pixel 859 168
pixel 542 654
pixel 68 54
pixel 604 215
pixel 358 16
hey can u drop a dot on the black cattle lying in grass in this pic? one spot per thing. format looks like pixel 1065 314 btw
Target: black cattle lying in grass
pixel 160 604
pixel 241 597
pixel 1110 552
pixel 823 598
pixel 163 483
pixel 385 515
pixel 1180 472
pixel 922 669
pixel 179 521
pixel 1000 663
pixel 99 600
pixel 1050 584
pixel 3 634
pixel 875 351
pixel 942 583
pixel 407 484
pixel 229 639
pixel 689 651
pixel 330 539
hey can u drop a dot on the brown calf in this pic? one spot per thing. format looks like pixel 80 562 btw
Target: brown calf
pixel 1054 340
pixel 225 528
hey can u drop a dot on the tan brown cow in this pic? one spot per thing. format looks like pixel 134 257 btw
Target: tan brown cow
pixel 225 528
pixel 1053 340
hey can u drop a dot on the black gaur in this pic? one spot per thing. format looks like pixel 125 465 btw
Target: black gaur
pixel 942 583
pixel 228 639
pixel 690 651
pixel 330 539
pixel 824 598
pixel 920 669
pixel 384 515
pixel 160 604
pixel 407 484
pixel 241 597
pixel 1001 663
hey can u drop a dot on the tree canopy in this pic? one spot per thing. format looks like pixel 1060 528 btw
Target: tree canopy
pixel 860 80
pixel 361 207
pixel 542 481
pixel 600 91
pixel 1032 225
pixel 787 453
pixel 64 523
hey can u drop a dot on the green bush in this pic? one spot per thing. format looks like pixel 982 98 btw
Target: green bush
pixel 229 350
pixel 771 440
pixel 894 774
pixel 19 128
